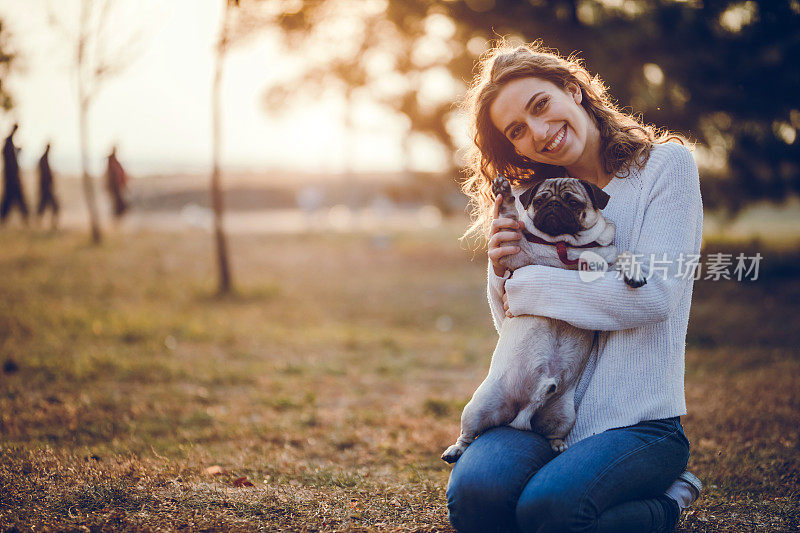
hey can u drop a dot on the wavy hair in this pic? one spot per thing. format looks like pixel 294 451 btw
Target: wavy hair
pixel 625 141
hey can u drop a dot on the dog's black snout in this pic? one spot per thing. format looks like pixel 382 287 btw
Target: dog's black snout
pixel 554 218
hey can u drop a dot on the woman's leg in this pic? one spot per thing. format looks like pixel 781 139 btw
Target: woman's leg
pixel 488 478
pixel 613 481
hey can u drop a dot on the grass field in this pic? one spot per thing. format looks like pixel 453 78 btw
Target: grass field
pixel 321 395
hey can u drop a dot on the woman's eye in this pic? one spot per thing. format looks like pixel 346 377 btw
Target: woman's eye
pixel 516 132
pixel 541 104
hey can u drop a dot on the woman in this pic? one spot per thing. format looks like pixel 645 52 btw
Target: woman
pixel 536 115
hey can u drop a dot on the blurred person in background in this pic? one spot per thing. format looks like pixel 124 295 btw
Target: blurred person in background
pixel 47 197
pixel 117 185
pixel 535 115
pixel 12 185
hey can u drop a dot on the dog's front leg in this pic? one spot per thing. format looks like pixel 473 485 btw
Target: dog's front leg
pixel 508 209
pixel 508 206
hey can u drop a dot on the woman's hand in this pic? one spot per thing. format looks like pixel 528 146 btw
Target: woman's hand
pixel 505 232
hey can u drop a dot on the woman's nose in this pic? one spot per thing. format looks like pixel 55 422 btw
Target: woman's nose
pixel 538 129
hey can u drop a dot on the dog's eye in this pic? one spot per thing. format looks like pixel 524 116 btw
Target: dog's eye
pixel 575 204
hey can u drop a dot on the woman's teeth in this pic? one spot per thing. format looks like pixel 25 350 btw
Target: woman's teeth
pixel 557 139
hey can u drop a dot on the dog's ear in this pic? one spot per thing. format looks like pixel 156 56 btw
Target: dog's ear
pixel 527 197
pixel 598 196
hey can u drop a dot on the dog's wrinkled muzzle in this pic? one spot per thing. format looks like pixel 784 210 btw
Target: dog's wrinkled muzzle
pixel 556 219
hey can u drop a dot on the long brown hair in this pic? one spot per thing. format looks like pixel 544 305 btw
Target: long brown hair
pixel 624 140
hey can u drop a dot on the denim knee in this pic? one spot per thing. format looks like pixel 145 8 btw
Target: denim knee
pixel 548 509
pixel 488 478
pixel 478 502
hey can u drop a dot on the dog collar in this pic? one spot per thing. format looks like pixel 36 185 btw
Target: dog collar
pixel 561 247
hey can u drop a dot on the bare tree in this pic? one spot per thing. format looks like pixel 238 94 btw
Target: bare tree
pixel 95 62
pixel 240 19
pixel 223 44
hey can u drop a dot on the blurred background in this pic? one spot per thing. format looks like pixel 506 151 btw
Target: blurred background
pixel 313 94
pixel 254 274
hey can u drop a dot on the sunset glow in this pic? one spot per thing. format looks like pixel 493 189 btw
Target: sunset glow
pixel 158 110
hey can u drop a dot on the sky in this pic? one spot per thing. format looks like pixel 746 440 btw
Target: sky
pixel 158 110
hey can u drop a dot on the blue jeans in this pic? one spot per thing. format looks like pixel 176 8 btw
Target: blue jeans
pixel 510 480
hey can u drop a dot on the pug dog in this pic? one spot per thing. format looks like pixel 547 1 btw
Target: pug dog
pixel 538 361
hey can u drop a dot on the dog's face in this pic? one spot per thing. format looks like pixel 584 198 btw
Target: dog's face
pixel 564 206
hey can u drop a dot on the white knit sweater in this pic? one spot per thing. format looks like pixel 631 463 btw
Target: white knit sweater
pixel 636 371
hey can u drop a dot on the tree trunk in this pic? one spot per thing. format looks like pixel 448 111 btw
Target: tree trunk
pixel 349 136
pixel 88 185
pixel 84 100
pixel 216 187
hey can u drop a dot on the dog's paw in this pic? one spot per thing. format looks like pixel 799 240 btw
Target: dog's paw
pixel 508 207
pixel 631 270
pixel 635 282
pixel 452 453
pixel 500 185
pixel 558 445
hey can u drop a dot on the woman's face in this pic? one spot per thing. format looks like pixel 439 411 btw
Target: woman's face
pixel 544 122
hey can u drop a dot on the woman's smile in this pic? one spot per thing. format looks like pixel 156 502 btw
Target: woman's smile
pixel 557 142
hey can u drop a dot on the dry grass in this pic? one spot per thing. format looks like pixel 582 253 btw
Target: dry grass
pixel 332 381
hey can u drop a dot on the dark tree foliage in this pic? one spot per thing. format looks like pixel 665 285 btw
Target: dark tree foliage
pixel 722 73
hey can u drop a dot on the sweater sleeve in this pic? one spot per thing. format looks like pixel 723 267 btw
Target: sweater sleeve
pixel 671 230
pixel 494 293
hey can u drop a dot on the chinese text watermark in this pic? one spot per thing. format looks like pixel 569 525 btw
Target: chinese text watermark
pixel 715 266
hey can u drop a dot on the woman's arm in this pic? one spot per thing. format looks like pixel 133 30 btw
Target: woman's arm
pixel 494 293
pixel 672 225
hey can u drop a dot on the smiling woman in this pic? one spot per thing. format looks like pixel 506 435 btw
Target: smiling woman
pixel 621 465
pixel 526 129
